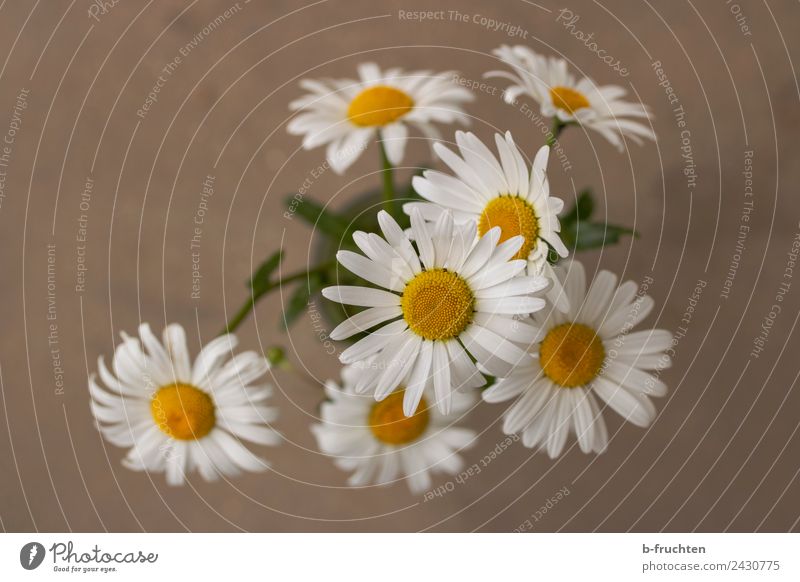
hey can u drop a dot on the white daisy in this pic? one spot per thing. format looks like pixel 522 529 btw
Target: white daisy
pixel 587 352
pixel 347 114
pixel 559 94
pixel 379 443
pixel 453 296
pixel 176 416
pixel 494 192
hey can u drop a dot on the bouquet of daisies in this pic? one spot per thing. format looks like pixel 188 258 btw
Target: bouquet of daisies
pixel 458 291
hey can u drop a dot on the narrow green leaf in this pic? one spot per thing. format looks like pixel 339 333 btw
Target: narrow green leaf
pixel 591 235
pixel 583 208
pixel 260 280
pixel 299 299
pixel 327 221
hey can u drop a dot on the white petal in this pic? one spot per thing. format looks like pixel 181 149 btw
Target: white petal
pixel 598 298
pixel 241 456
pixel 507 388
pixel 361 296
pixel 494 344
pixel 510 305
pixel 443 238
pixel 523 411
pixel 638 410
pixel 364 320
pixel 633 379
pixel 516 330
pixel 627 317
pixel 398 365
pixel 480 253
pixel 395 136
pixel 464 372
pixel 583 419
pixel 522 285
pixel 441 377
pixel 211 357
pixel 418 379
pixel 423 239
pixel 559 429
pixel 651 341
pixel 398 239
pixel 374 342
pixel 485 357
pixel 175 344
pixel 370 271
pixel 415 468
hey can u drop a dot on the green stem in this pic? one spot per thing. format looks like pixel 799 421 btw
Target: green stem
pixel 558 127
pixel 248 305
pixel 389 194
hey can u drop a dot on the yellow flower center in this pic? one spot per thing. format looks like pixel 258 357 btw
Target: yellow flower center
pixel 514 216
pixel 437 304
pixel 568 99
pixel 571 355
pixel 183 411
pixel 379 105
pixel 389 425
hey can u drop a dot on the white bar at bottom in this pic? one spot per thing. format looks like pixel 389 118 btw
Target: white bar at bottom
pixel 400 557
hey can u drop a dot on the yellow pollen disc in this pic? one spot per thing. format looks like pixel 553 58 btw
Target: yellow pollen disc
pixel 379 105
pixel 183 412
pixel 571 355
pixel 568 99
pixel 514 216
pixel 389 425
pixel 437 304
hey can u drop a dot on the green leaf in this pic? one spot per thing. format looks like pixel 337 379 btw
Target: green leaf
pixel 592 235
pixel 299 299
pixel 260 281
pixel 327 221
pixel 584 206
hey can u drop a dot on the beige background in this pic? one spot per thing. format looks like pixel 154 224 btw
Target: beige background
pixel 723 453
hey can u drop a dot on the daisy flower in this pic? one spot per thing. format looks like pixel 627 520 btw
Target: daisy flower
pixel 452 297
pixel 176 416
pixel 498 192
pixel 560 95
pixel 347 114
pixel 379 443
pixel 586 352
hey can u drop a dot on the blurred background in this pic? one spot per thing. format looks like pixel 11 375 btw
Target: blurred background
pixel 100 189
